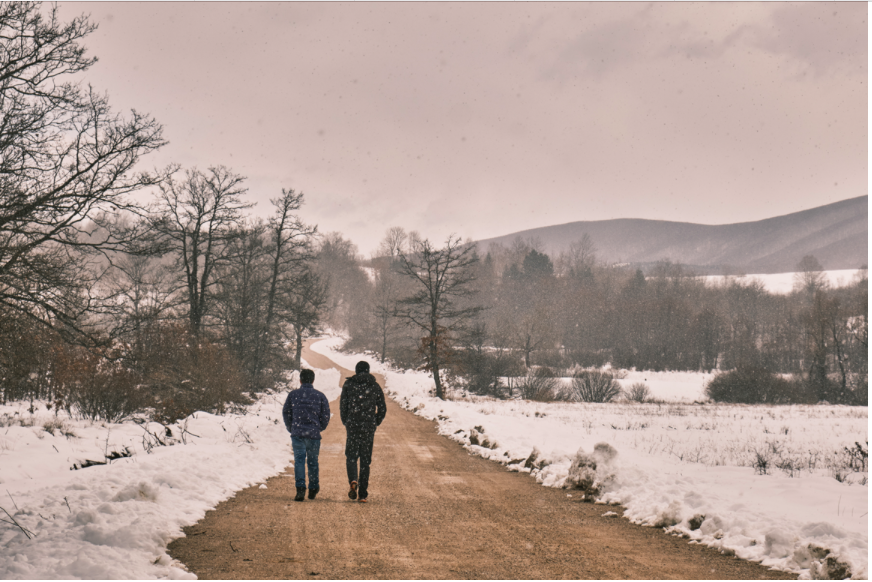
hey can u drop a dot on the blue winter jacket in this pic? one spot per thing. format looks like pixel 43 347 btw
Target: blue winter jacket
pixel 306 412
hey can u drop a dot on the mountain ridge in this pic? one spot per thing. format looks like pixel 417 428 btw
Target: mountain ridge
pixel 836 234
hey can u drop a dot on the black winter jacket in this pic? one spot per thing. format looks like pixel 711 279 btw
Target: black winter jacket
pixel 362 403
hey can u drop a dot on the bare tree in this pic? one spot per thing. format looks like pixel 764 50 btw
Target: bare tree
pixel 194 220
pixel 336 261
pixel 443 280
pixel 809 276
pixel 145 295
pixel 413 241
pixel 534 329
pixel 578 259
pixel 290 252
pixel 66 162
pixel 264 272
pixel 393 242
pixel 304 304
pixel 818 323
pixel 291 243
pixel 385 296
pixel 240 296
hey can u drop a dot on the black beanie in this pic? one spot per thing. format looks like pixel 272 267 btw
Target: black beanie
pixel 361 367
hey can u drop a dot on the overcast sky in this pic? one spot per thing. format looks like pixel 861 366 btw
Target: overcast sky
pixel 488 118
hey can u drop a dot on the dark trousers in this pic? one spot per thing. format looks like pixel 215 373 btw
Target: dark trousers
pixel 306 454
pixel 358 446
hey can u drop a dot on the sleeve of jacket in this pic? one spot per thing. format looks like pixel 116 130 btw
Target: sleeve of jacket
pixel 381 407
pixel 343 403
pixel 324 415
pixel 288 413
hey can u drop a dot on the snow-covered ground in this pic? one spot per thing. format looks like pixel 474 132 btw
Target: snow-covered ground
pixel 678 465
pixel 669 386
pixel 675 462
pixel 114 521
pixel 782 283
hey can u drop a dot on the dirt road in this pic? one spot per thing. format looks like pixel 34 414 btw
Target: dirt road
pixel 434 512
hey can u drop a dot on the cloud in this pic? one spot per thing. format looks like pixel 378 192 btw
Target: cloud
pixel 827 37
pixel 823 37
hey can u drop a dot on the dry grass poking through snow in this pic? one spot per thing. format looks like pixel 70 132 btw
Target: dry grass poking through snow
pixel 793 440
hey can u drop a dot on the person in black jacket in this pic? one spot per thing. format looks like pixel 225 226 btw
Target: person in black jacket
pixel 306 413
pixel 361 409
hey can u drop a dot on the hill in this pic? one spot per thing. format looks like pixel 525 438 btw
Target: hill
pixel 837 234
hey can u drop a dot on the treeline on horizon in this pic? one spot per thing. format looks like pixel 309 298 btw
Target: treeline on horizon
pixel 552 316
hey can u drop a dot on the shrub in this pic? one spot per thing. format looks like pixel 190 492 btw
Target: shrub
pixel 95 385
pixel 761 462
pixel 60 426
pixel 854 393
pixel 856 458
pixel 538 385
pixel 593 386
pixel 639 392
pixel 755 385
pixel 185 373
pixel 483 372
pixel 404 357
pixel 590 472
pixel 858 394
pixel 25 371
pixel 486 384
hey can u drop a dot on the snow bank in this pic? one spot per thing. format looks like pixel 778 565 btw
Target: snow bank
pixel 685 467
pixel 114 521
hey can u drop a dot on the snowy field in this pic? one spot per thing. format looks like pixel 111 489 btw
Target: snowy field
pixel 114 521
pixel 782 283
pixel 694 469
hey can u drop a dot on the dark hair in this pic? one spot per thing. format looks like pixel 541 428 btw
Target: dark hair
pixel 361 367
pixel 307 376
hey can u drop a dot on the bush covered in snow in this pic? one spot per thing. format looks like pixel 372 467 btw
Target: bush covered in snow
pixel 592 472
pixel 638 392
pixel 539 385
pixel 592 386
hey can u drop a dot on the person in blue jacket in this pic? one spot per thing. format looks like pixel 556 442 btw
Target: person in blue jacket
pixel 306 413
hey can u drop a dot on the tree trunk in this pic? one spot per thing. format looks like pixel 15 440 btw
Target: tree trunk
pixel 298 356
pixel 840 356
pixel 434 365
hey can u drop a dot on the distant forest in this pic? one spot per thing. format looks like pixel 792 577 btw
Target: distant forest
pixel 551 315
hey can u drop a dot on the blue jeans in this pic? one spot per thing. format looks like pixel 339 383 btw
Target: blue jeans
pixel 306 453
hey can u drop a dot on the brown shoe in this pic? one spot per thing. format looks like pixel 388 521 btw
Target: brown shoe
pixel 362 500
pixel 352 494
